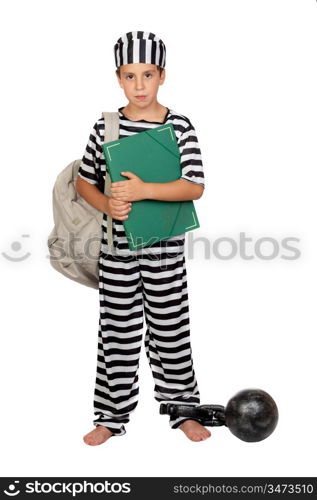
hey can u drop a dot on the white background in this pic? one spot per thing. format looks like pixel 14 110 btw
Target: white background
pixel 244 72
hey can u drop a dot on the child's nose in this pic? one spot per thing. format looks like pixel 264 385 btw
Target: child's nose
pixel 139 83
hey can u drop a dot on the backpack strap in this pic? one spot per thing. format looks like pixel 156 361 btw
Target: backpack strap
pixel 111 134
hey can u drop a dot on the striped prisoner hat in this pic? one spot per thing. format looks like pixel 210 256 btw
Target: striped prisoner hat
pixel 140 47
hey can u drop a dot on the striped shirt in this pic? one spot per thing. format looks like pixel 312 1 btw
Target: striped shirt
pixel 93 170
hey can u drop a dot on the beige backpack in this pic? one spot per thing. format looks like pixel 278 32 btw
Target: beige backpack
pixel 75 241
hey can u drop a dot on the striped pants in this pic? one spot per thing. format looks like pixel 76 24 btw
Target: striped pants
pixel 128 286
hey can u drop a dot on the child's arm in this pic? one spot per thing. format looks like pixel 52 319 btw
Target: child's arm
pixel 89 175
pixel 115 208
pixel 179 190
pixel 91 194
pixel 135 189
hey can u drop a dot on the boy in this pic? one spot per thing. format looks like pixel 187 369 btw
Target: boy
pixel 153 277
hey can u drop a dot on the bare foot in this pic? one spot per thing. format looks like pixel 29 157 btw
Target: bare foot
pixel 194 430
pixel 98 436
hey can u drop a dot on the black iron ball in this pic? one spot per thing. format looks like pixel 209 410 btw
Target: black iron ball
pixel 251 415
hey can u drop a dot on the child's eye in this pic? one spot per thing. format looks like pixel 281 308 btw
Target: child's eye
pixel 146 74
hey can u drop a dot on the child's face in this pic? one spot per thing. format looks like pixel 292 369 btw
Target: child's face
pixel 140 79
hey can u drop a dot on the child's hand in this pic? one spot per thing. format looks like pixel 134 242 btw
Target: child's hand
pixel 133 189
pixel 118 209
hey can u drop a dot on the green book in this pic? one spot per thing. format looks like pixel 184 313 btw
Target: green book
pixel 152 155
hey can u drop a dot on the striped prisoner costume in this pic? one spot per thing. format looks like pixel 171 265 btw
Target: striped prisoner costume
pixel 148 282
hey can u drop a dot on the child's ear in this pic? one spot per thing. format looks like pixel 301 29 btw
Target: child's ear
pixel 162 77
pixel 119 81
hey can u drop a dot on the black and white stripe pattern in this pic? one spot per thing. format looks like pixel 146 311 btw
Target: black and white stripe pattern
pixel 140 47
pixel 125 285
pixel 93 170
pixel 150 280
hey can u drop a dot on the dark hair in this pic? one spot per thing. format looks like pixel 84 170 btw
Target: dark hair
pixel 158 67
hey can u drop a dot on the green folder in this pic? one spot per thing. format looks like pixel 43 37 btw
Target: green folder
pixel 152 155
